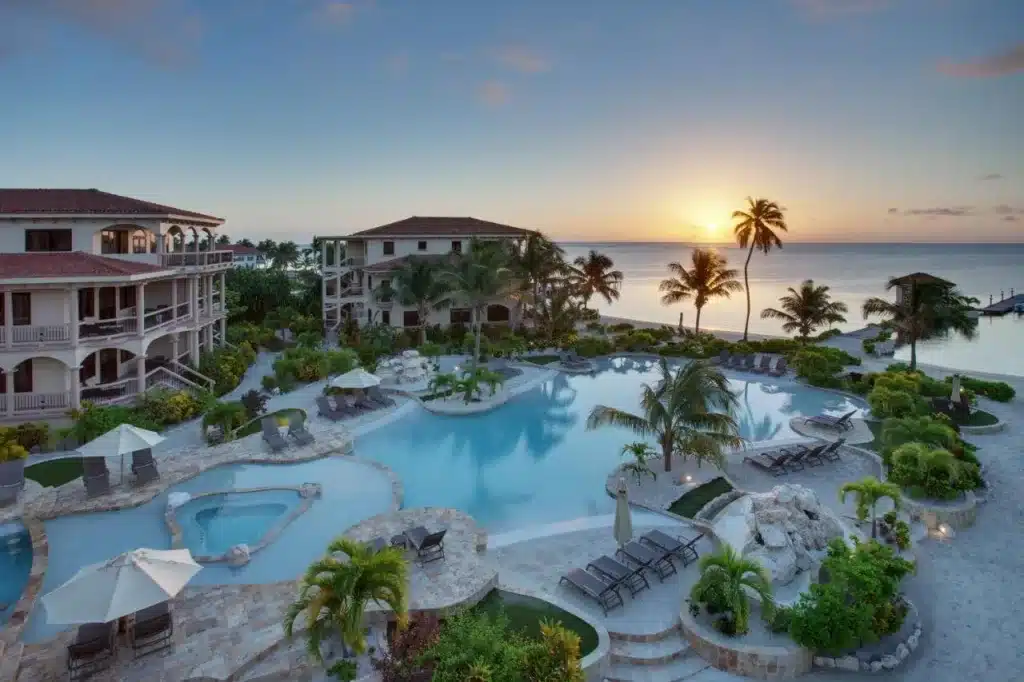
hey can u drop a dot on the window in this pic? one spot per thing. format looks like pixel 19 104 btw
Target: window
pixel 385 317
pixel 23 377
pixel 86 304
pixel 421 246
pixel 461 316
pixel 456 247
pixel 21 305
pixel 115 241
pixel 410 318
pixel 127 297
pixel 497 313
pixel 140 242
pixel 389 248
pixel 47 240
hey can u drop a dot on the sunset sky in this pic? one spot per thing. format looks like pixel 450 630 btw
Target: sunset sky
pixel 868 120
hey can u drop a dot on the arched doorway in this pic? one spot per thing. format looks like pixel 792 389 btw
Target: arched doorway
pixel 497 313
pixel 36 385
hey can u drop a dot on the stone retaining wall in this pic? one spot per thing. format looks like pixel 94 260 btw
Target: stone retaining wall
pixel 982 430
pixel 957 515
pixel 732 656
pixel 710 510
pixel 878 662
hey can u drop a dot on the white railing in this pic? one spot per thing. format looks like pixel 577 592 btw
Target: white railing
pixel 192 375
pixel 40 334
pixel 347 263
pixel 191 259
pixel 113 392
pixel 41 402
pixel 158 318
pixel 107 328
pixel 161 377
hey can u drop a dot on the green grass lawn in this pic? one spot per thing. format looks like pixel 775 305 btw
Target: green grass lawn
pixel 525 614
pixel 690 503
pixel 55 473
pixel 979 418
pixel 255 426
pixel 542 359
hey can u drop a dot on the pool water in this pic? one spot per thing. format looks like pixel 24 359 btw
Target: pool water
pixel 15 566
pixel 213 524
pixel 532 461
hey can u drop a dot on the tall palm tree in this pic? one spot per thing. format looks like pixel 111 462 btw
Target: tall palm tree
pixel 560 310
pixel 755 228
pixel 708 278
pixel 869 491
pixel 417 284
pixel 335 591
pixel 536 263
pixel 594 275
pixel 476 278
pixel 223 240
pixel 688 413
pixel 245 242
pixel 728 578
pixel 805 310
pixel 928 309
pixel 287 253
pixel 268 247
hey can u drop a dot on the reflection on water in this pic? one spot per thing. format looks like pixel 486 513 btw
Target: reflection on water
pixel 995 349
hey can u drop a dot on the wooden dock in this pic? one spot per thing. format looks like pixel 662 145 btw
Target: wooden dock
pixel 1004 306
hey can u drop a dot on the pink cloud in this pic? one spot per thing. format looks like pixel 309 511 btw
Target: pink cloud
pixel 999 64
pixel 521 59
pixel 829 8
pixel 337 13
pixel 493 93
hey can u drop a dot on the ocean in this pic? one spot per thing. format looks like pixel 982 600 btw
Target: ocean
pixel 854 272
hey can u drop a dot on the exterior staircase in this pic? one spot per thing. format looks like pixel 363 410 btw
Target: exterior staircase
pixel 164 377
pixel 657 657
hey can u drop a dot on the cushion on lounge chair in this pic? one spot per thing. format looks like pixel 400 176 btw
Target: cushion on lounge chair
pixel 687 551
pixel 658 561
pixel 620 574
pixel 603 593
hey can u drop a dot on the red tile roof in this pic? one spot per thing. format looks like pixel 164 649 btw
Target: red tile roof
pixel 69 264
pixel 240 248
pixel 442 227
pixel 84 202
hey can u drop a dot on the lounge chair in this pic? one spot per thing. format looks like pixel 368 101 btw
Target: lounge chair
pixel 324 408
pixel 297 430
pixel 658 561
pixel 152 630
pixel 780 368
pixel 92 650
pixel 735 360
pixel 776 466
pixel 376 395
pixel 620 574
pixel 589 584
pixel 364 403
pixel 808 456
pixel 96 476
pixel 722 359
pixel 144 467
pixel 831 453
pixel 573 361
pixel 764 367
pixel 748 362
pixel 429 546
pixel 838 423
pixel 685 550
pixel 351 407
pixel 272 435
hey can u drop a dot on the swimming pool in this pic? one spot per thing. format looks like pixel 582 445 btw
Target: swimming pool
pixel 532 461
pixel 15 566
pixel 213 524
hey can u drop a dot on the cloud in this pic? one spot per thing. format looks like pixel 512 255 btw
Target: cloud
pixel 397 64
pixel 992 176
pixel 521 59
pixel 943 211
pixel 336 13
pixel 894 211
pixel 493 93
pixel 1010 218
pixel 159 30
pixel 1006 209
pixel 830 8
pixel 999 64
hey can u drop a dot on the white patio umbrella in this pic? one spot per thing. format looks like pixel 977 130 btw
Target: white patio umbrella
pixel 129 582
pixel 623 527
pixel 357 378
pixel 955 392
pixel 120 441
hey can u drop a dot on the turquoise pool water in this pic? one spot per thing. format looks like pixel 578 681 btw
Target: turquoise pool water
pixel 213 524
pixel 530 462
pixel 15 566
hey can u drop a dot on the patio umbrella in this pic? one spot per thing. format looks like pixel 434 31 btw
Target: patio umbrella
pixel 954 394
pixel 623 528
pixel 120 441
pixel 357 378
pixel 129 582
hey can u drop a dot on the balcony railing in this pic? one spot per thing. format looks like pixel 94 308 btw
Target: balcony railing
pixel 32 334
pixel 108 328
pixel 25 403
pixel 192 259
pixel 114 392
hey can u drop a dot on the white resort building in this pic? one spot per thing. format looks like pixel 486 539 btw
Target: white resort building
pixel 102 297
pixel 247 257
pixel 356 266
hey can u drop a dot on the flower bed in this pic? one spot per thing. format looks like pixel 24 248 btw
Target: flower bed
pixel 255 425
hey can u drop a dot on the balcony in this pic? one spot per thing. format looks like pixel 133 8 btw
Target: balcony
pixel 37 403
pixel 346 264
pixel 105 329
pixel 120 391
pixel 196 259
pixel 39 335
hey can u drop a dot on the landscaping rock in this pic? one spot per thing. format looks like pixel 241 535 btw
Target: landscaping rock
pixel 912 641
pixel 876 666
pixel 890 662
pixel 824 661
pixel 848 663
pixel 902 652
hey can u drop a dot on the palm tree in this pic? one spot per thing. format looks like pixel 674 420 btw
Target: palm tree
pixel 245 242
pixel 805 310
pixel 536 263
pixel 268 247
pixel 638 468
pixel 728 578
pixel 559 312
pixel 680 413
pixel 417 284
pixel 707 278
pixel 756 229
pixel 476 278
pixel 227 416
pixel 223 240
pixel 594 275
pixel 287 253
pixel 869 491
pixel 927 309
pixel 335 591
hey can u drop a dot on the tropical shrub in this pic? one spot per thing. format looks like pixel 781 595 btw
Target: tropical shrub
pixel 226 366
pixel 818 367
pixel 310 364
pixel 636 341
pixel 726 585
pixel 166 408
pixel 31 434
pixel 11 451
pixel 268 382
pixel 403 660
pixel 869 491
pixel 886 402
pixel 931 472
pixel 620 327
pixel 309 340
pixel 999 391
pixel 227 416
pixel 927 430
pixel 247 332
pixel 857 601
pixel 431 350
pixel 255 403
pixel 591 347
pixel 92 421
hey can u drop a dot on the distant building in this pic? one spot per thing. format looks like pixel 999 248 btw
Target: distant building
pixel 246 256
pixel 356 266
pixel 906 283
pixel 103 297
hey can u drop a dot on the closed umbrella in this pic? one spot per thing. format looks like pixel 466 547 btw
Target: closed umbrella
pixel 120 441
pixel 623 528
pixel 130 582
pixel 357 378
pixel 955 392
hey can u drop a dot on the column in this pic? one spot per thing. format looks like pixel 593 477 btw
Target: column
pixel 174 298
pixel 223 292
pixel 160 250
pixel 8 327
pixel 9 378
pixel 193 346
pixel 337 253
pixel 96 302
pixel 73 307
pixel 75 387
pixel 209 337
pixel 117 302
pixel 140 367
pixel 190 294
pixel 140 308
pixel 224 331
pixel 175 351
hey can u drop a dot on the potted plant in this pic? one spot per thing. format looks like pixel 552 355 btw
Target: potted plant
pixel 282 425
pixel 12 465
